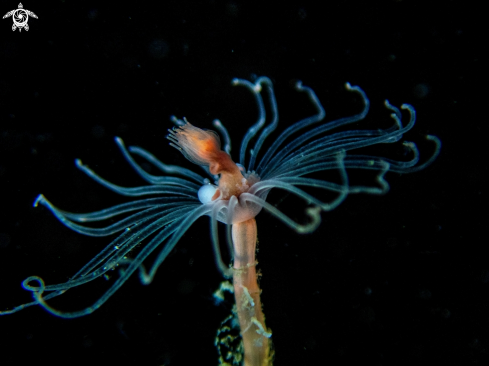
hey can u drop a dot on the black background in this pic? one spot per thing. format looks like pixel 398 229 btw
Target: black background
pixel 391 280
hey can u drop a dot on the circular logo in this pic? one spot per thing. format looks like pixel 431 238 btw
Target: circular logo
pixel 20 17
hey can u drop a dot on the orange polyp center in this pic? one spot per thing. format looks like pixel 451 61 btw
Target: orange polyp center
pixel 204 148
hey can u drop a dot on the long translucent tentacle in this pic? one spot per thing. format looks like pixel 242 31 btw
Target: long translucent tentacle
pixel 170 181
pixel 298 141
pixel 270 127
pixel 226 271
pixel 319 116
pixel 136 191
pixel 312 212
pixel 166 168
pixel 149 213
pixel 253 130
pixel 225 134
pixel 173 229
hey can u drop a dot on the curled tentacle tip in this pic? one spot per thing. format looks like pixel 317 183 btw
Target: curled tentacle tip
pixel 235 81
pixel 315 214
pixel 38 199
pixel 298 85
pixel 433 138
pixel 39 280
pixel 217 122
pixel 145 279
pixel 314 211
pixel 437 142
pixel 178 122
pixel 348 85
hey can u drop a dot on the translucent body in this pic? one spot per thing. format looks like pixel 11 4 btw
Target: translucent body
pixel 305 147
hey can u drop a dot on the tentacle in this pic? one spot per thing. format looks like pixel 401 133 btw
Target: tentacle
pixel 149 213
pixel 105 261
pixel 187 221
pixel 115 253
pixel 294 144
pixel 170 181
pixel 226 271
pixel 435 154
pixel 225 134
pixel 312 152
pixel 118 209
pixel 312 212
pixel 165 168
pixel 319 116
pixel 270 127
pixel 134 264
pixel 253 130
pixel 325 145
pixel 136 191
pixel 288 184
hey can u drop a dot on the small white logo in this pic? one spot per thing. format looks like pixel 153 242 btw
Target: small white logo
pixel 20 17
